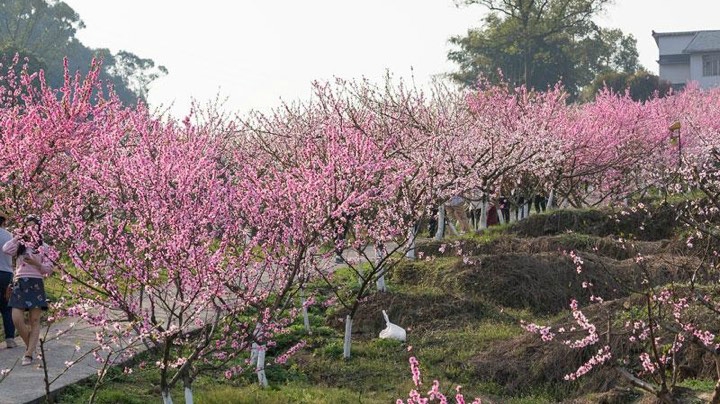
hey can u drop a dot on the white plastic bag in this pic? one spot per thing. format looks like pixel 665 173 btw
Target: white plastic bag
pixel 392 331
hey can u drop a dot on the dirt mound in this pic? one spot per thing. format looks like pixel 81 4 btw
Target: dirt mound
pixel 523 363
pixel 508 243
pixel 612 396
pixel 427 311
pixel 543 283
pixel 658 224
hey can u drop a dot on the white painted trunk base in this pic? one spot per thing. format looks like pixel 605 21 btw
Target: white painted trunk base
pixel 501 218
pixel 440 233
pixel 306 319
pixel 379 257
pixel 262 380
pixel 484 215
pixel 347 340
pixel 253 353
pixel 411 243
pixel 380 283
pixel 551 199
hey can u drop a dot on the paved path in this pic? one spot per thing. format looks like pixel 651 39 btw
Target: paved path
pixel 25 384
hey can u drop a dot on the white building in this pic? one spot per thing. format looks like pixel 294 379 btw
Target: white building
pixel 689 56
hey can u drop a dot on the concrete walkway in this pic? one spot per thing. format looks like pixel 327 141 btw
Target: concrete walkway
pixel 25 384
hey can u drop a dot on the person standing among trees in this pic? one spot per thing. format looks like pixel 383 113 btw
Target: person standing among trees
pixel 456 211
pixel 28 292
pixel 6 276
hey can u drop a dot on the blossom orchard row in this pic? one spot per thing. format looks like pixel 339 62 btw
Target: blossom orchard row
pixel 163 228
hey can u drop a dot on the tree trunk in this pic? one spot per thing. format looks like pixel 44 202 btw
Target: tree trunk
pixel 663 395
pixel 411 243
pixel 666 398
pixel 551 199
pixel 260 369
pixel 167 399
pixel 187 384
pixel 380 284
pixel 255 347
pixel 716 394
pixel 347 340
pixel 254 352
pixel 48 396
pixel 379 257
pixel 484 215
pixel 306 319
pixel 440 233
pixel 501 218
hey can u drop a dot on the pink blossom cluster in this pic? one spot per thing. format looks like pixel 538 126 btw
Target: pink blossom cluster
pixel 283 358
pixel 648 364
pixel 545 332
pixel 434 394
pixel 603 355
pixel 577 261
pixel 586 325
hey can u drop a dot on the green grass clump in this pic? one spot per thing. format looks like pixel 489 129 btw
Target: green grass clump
pixel 288 393
pixel 701 386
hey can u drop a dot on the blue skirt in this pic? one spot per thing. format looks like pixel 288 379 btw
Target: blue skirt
pixel 28 293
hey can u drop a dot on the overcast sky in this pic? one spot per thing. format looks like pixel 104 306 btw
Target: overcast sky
pixel 256 51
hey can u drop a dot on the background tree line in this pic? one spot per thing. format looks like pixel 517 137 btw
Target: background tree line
pixel 43 32
pixel 541 42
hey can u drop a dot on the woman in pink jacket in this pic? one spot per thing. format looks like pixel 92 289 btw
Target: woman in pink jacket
pixel 28 292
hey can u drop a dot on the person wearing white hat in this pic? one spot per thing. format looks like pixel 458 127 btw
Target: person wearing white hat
pixel 6 278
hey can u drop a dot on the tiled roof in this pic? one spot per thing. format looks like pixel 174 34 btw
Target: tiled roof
pixel 704 41
pixel 657 35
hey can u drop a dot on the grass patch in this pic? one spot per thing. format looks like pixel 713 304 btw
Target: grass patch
pixel 698 385
pixel 289 393
pixel 657 223
pixel 489 234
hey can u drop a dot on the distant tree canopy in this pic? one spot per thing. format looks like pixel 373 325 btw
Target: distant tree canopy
pixel 44 32
pixel 541 42
pixel 641 84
